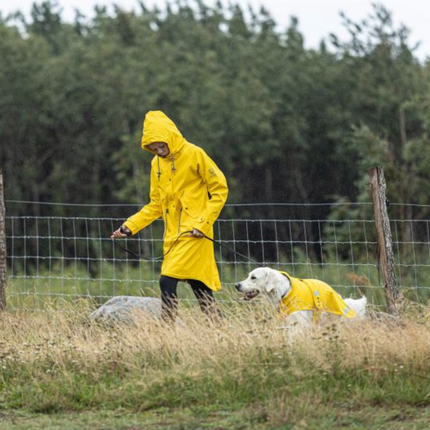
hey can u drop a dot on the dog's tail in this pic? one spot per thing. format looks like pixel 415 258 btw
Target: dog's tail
pixel 359 305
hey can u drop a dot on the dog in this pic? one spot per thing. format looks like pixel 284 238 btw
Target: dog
pixel 304 301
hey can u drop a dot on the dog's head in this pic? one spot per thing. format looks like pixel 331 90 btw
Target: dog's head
pixel 261 280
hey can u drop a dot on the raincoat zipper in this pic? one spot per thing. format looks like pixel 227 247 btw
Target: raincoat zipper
pixel 165 223
pixel 158 168
pixel 179 222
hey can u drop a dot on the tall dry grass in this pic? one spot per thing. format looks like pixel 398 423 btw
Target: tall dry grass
pixel 61 360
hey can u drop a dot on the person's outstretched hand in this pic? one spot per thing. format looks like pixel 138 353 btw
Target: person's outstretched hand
pixel 196 233
pixel 121 232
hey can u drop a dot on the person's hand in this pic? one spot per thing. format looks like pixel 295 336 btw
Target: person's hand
pixel 121 232
pixel 196 233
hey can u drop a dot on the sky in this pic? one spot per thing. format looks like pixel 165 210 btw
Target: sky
pixel 317 18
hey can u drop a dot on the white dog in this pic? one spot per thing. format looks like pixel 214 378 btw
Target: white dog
pixel 302 300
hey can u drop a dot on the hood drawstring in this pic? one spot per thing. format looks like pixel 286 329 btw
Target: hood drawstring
pixel 173 164
pixel 158 168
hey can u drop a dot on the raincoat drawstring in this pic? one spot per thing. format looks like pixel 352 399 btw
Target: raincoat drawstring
pixel 158 166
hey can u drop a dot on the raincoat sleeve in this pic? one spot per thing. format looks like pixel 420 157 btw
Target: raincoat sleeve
pixel 150 212
pixel 218 189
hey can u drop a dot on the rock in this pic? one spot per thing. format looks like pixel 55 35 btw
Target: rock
pixel 126 309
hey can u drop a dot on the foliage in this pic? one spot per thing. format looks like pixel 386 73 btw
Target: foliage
pixel 285 123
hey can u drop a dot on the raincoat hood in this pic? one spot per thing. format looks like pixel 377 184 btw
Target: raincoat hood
pixel 158 127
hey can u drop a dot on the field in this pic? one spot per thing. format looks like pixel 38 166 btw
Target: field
pixel 58 369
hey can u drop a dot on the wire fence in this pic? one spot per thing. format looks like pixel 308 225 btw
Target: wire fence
pixel 72 257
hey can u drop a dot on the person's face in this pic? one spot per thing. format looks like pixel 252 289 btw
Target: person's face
pixel 160 148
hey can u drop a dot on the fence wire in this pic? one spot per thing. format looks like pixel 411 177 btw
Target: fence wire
pixel 73 257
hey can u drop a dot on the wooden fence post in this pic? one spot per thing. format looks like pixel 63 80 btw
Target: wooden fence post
pixel 383 231
pixel 2 247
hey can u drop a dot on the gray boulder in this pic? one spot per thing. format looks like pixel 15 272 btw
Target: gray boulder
pixel 128 309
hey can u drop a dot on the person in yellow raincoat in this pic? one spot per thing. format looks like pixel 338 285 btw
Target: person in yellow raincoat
pixel 188 191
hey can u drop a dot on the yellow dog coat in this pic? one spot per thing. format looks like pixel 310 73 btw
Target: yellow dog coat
pixel 313 295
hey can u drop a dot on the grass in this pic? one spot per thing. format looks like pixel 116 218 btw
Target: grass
pixel 36 288
pixel 337 417
pixel 58 369
pixel 59 284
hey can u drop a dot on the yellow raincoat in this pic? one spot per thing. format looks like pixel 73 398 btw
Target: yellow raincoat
pixel 313 295
pixel 188 191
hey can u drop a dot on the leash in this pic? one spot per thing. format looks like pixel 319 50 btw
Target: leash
pixel 141 257
pixel 231 250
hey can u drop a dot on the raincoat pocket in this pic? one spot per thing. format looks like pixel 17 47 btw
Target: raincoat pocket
pixel 189 215
pixel 189 208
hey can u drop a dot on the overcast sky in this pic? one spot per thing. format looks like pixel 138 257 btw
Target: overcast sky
pixel 317 18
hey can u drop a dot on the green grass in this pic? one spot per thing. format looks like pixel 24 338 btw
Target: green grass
pixel 73 282
pixel 58 369
pixel 254 417
pixel 39 292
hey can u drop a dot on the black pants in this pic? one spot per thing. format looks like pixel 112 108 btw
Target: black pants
pixel 169 298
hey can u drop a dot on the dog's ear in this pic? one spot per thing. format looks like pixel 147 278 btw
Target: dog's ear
pixel 269 285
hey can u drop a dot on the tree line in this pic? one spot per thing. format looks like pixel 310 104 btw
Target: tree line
pixel 284 122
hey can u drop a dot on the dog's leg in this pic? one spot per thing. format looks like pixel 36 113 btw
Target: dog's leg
pixel 300 318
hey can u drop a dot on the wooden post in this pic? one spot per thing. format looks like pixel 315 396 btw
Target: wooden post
pixel 383 231
pixel 2 247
